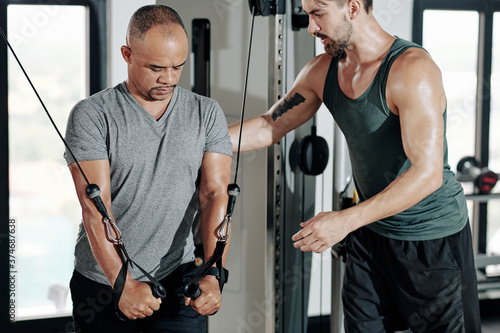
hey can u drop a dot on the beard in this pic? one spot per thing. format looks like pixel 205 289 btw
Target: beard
pixel 335 46
pixel 334 49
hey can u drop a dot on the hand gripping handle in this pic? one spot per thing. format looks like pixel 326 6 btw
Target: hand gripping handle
pixel 192 288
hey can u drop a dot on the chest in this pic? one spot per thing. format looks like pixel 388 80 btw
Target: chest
pixel 354 81
pixel 136 142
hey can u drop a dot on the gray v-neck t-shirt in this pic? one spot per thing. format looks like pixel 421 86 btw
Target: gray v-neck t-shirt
pixel 154 172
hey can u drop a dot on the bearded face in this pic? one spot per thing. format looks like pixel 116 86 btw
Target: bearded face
pixel 341 38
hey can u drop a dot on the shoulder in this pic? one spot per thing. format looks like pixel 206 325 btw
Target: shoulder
pixel 316 67
pixel 101 99
pixel 99 107
pixel 189 97
pixel 414 76
pixel 413 65
pixel 313 74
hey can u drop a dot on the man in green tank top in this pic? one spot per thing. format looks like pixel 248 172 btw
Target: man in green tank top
pixel 410 263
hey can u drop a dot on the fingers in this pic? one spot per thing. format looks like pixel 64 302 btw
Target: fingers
pixel 210 299
pixel 315 246
pixel 318 234
pixel 156 305
pixel 304 237
pixel 206 305
pixel 305 231
pixel 139 312
pixel 137 301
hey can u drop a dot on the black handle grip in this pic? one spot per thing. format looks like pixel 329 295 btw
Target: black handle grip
pixel 158 291
pixel 93 192
pixel 192 290
pixel 234 191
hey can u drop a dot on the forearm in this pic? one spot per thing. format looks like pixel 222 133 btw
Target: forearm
pixel 256 133
pixel 212 215
pixel 106 253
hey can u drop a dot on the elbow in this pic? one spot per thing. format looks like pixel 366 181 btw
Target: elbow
pixel 276 135
pixel 435 181
pixel 213 196
pixel 273 132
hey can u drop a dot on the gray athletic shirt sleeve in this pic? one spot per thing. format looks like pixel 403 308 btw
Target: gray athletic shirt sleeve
pixel 154 170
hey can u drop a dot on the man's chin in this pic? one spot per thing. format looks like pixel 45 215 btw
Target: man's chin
pixel 333 51
pixel 160 94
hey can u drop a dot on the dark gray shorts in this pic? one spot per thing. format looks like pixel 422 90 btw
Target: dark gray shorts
pixel 427 286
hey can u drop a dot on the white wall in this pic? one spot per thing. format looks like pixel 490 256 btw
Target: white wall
pixel 119 13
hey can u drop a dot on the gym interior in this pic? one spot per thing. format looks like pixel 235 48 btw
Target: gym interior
pixel 272 287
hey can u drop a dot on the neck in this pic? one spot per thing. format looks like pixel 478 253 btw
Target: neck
pixel 369 42
pixel 155 108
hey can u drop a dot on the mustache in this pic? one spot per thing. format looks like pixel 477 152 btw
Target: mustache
pixel 319 35
pixel 163 87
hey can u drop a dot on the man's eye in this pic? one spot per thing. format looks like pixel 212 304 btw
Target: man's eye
pixel 154 69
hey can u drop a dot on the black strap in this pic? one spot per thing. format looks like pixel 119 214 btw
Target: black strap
pixel 221 275
pixel 192 288
pixel 118 290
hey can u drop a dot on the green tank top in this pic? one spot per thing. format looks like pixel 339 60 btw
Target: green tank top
pixel 373 136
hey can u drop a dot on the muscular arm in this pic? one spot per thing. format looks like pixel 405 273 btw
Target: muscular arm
pixel 295 108
pixel 137 300
pixel 416 94
pixel 215 177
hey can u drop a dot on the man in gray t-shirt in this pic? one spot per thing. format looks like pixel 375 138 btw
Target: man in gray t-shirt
pixel 161 156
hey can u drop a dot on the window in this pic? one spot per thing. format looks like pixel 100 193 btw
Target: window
pixel 42 197
pixel 456 55
pixel 58 46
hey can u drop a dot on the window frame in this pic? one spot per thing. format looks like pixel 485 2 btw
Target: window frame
pixel 97 81
pixel 486 9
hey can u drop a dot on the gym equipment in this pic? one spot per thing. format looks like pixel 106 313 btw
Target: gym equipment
pixel 313 154
pixel 483 178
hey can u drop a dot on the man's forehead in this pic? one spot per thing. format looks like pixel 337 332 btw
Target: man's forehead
pixel 312 5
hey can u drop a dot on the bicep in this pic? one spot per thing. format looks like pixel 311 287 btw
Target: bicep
pixel 215 174
pixel 420 102
pixel 294 109
pixel 303 100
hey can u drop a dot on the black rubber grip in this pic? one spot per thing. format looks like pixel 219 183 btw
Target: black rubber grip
pixel 192 290
pixel 158 291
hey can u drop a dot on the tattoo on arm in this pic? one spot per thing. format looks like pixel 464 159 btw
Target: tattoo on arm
pixel 287 105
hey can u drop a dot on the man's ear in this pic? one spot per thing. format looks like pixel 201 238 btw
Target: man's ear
pixel 354 7
pixel 126 53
